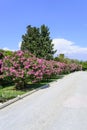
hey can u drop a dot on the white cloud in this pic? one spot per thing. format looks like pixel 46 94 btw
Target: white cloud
pixel 7 49
pixel 69 48
pixel 19 45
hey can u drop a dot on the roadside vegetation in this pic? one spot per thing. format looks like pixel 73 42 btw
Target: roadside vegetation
pixel 34 65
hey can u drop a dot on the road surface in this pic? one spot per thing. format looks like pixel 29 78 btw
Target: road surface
pixel 62 106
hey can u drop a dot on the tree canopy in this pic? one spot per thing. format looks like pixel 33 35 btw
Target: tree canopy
pixel 38 42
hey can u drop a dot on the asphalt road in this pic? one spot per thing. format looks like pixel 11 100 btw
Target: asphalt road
pixel 62 106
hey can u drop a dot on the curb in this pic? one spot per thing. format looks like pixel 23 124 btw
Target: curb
pixel 19 97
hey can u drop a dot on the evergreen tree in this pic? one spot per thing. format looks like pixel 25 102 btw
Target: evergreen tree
pixel 38 42
pixel 30 39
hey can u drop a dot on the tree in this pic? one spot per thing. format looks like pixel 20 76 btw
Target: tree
pixel 38 42
pixel 30 39
pixel 60 58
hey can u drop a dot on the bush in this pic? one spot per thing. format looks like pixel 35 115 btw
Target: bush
pixel 84 65
pixel 23 67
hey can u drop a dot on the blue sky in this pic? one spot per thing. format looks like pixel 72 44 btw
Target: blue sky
pixel 66 19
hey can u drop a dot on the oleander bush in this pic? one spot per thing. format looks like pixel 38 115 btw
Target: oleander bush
pixel 22 67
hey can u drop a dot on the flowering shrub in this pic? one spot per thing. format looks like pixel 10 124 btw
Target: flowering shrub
pixel 1 66
pixel 75 67
pixel 1 72
pixel 13 67
pixel 1 62
pixel 23 67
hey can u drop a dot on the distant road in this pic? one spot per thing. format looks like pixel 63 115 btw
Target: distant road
pixel 62 106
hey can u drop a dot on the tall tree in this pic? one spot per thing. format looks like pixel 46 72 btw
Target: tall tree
pixel 38 42
pixel 30 39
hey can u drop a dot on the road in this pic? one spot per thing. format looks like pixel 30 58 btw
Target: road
pixel 62 106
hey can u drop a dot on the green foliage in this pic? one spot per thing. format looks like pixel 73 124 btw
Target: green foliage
pixel 6 52
pixel 38 42
pixel 6 80
pixel 8 92
pixel 62 58
pixel 1 55
pixel 84 65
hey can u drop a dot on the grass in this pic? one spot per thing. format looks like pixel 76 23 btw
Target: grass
pixel 9 92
